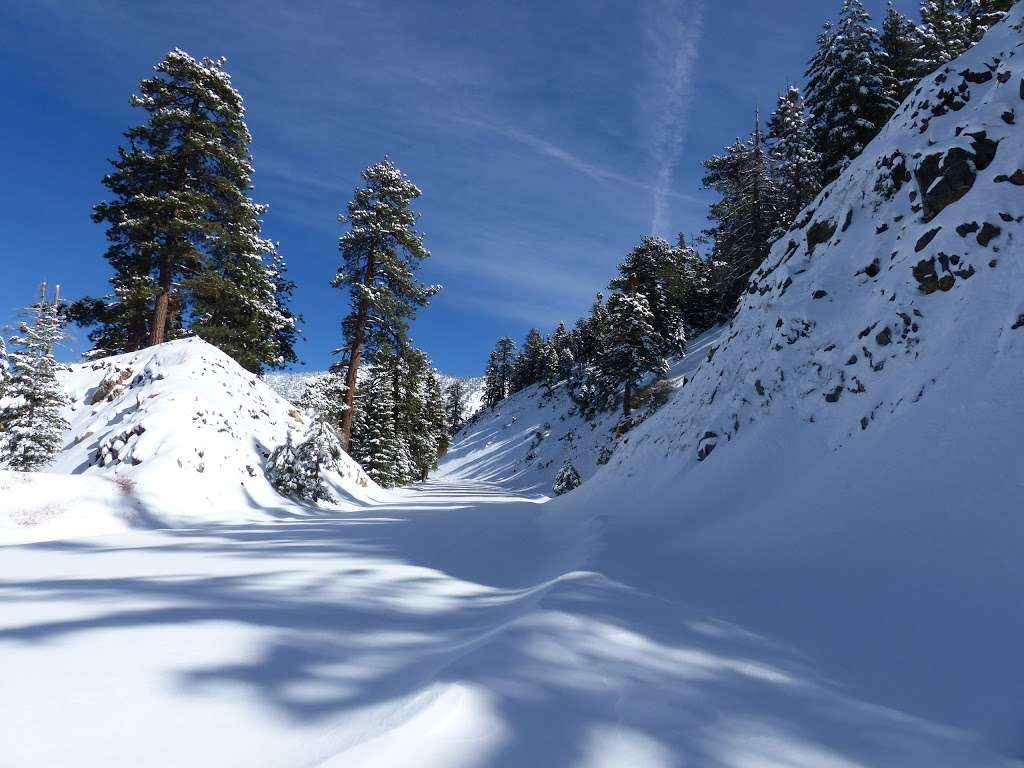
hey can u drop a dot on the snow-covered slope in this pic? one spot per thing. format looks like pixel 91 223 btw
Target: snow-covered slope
pixel 522 441
pixel 179 431
pixel 840 470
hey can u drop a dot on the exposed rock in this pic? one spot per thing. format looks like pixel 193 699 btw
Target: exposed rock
pixel 926 238
pixel 988 233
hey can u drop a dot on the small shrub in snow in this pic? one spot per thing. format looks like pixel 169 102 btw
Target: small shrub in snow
pixel 295 470
pixel 567 478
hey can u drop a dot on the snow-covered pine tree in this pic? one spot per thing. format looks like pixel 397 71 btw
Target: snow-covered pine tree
pixel 694 290
pixel 562 344
pixel 745 217
pixel 4 365
pixel 184 234
pixel 552 367
pixel 435 420
pixel 950 27
pixel 4 379
pixel 567 478
pixel 31 412
pixel 283 471
pixel 529 366
pixel 324 396
pixel 848 89
pixel 899 47
pixel 797 163
pixel 410 382
pixel 381 252
pixel 631 348
pixel 455 405
pixel 498 375
pixel 376 446
pixel 982 14
pixel 297 471
pixel 651 269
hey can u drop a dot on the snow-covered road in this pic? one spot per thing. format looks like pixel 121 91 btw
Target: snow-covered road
pixel 453 625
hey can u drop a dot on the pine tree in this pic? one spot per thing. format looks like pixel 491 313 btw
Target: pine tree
pixel 745 218
pixel 325 397
pixel 498 375
pixel 455 406
pixel 848 89
pixel 376 446
pixel 435 421
pixel 651 269
pixel 796 162
pixel 562 345
pixel 185 240
pixel 632 347
pixel 31 415
pixel 942 35
pixel 4 366
pixel 529 366
pixel 693 289
pixel 982 15
pixel 899 47
pixel 552 368
pixel 381 252
pixel 567 479
pixel 297 471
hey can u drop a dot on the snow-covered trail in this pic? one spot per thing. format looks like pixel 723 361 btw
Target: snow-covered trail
pixel 450 625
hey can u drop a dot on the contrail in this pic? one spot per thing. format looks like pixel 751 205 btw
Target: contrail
pixel 674 30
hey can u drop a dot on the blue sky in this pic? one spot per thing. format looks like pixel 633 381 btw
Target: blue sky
pixel 548 136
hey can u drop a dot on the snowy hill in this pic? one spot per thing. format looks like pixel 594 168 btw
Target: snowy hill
pixel 179 432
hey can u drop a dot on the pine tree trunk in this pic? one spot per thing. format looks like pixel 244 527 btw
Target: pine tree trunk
pixel 158 331
pixel 627 396
pixel 355 355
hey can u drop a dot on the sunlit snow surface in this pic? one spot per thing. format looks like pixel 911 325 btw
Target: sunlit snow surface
pixel 812 594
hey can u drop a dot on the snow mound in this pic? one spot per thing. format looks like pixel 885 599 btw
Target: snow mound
pixel 184 431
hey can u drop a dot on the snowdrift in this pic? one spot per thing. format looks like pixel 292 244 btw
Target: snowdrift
pixel 178 433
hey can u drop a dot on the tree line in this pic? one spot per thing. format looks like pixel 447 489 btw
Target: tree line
pixel 855 81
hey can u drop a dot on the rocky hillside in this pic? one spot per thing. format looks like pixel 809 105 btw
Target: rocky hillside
pixel 907 267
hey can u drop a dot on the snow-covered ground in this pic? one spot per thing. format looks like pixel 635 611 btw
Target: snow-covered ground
pixel 800 559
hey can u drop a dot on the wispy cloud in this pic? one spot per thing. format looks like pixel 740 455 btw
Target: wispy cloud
pixel 674 31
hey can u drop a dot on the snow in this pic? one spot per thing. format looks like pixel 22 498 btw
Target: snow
pixel 173 435
pixel 811 592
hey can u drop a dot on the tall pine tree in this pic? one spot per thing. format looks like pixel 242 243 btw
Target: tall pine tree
pixel 899 47
pixel 381 252
pixel 745 218
pixel 849 92
pixel 797 163
pixel 455 405
pixel 185 240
